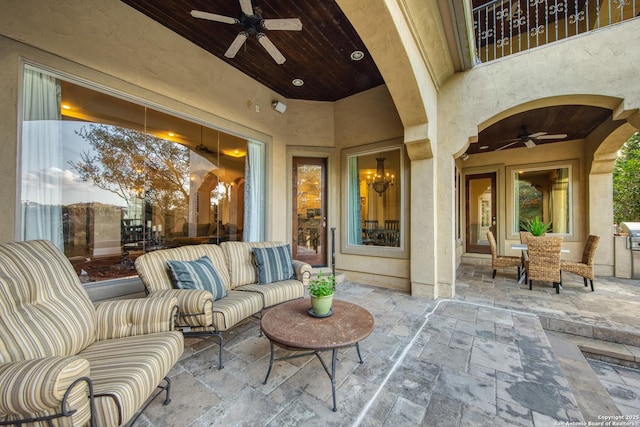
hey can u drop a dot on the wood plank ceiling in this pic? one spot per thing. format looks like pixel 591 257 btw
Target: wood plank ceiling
pixel 576 121
pixel 319 54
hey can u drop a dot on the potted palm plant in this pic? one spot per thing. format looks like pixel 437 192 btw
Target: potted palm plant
pixel 321 292
pixel 535 226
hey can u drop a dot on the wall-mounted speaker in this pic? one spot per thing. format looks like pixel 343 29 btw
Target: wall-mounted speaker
pixel 279 106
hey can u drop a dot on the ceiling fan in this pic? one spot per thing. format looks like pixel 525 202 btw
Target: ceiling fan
pixel 528 138
pixel 251 19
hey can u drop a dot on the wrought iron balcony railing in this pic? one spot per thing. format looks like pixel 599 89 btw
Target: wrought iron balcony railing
pixel 504 27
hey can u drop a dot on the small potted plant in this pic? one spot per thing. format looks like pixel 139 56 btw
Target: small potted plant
pixel 535 226
pixel 321 291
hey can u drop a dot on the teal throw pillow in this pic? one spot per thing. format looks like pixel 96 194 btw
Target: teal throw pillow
pixel 198 274
pixel 274 264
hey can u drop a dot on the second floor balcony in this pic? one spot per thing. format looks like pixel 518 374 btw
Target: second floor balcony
pixel 504 27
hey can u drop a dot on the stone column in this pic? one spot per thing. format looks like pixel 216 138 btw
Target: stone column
pixel 446 224
pixel 424 233
pixel 431 244
pixel 601 221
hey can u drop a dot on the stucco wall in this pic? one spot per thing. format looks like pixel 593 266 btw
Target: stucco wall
pixel 363 119
pixel 569 153
pixel 111 44
pixel 598 68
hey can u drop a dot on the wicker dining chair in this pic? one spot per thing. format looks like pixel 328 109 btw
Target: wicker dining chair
pixel 392 238
pixel 501 261
pixel 584 268
pixel 524 235
pixel 543 260
pixel 368 235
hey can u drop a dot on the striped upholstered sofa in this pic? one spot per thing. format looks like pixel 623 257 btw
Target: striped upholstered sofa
pixel 65 361
pixel 200 312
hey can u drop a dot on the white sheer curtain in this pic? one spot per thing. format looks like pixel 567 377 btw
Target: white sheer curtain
pixel 254 203
pixel 42 164
pixel 355 209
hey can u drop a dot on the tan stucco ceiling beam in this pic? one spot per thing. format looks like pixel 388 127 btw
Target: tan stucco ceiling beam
pixel 634 120
pixel 416 139
pixel 375 25
pixel 383 27
pixel 608 138
pixel 622 112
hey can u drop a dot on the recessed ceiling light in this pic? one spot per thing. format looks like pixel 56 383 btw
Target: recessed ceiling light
pixel 66 106
pixel 297 82
pixel 171 134
pixel 483 147
pixel 357 55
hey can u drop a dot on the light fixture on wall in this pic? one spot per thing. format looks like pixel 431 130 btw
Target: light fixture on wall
pixel 381 181
pixel 279 106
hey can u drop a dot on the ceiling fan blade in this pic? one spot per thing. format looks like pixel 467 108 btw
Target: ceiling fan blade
pixel 508 145
pixel 529 143
pixel 536 135
pixel 213 17
pixel 247 7
pixel 556 136
pixel 271 48
pixel 508 140
pixel 236 44
pixel 289 24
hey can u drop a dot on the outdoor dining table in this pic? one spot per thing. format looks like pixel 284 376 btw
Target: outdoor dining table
pixel 382 235
pixel 524 247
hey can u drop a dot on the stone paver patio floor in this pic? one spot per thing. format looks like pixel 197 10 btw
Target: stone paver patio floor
pixel 482 358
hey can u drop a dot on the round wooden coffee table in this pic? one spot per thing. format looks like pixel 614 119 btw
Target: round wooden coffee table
pixel 290 326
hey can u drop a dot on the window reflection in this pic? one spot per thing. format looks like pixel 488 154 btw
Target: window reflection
pixel 309 216
pixel 544 194
pixel 375 198
pixel 107 180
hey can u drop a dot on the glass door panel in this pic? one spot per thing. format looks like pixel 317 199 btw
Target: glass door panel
pixel 309 211
pixel 481 211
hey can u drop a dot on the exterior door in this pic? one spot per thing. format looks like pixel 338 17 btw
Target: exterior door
pixel 481 211
pixel 309 219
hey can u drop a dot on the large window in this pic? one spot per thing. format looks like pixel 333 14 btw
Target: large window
pixel 375 197
pixel 107 179
pixel 546 194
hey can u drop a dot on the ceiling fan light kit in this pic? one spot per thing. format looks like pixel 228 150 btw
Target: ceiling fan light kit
pixel 528 139
pixel 253 23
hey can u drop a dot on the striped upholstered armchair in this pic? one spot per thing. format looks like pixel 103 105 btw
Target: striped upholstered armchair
pixel 66 362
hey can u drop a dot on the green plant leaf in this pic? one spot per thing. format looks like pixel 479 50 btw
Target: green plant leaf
pixel 535 226
pixel 322 286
